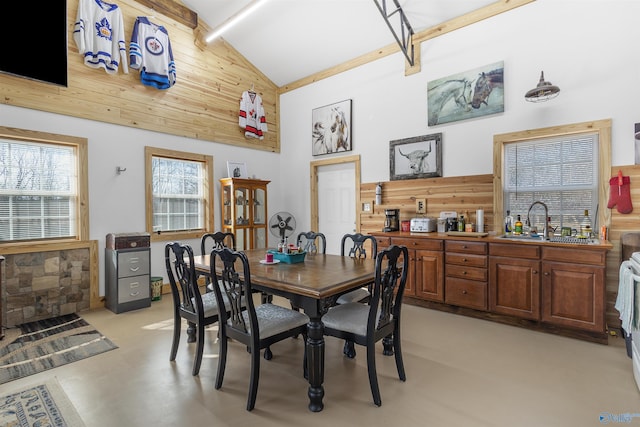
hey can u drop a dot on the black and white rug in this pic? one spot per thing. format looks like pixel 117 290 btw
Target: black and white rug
pixel 37 406
pixel 46 344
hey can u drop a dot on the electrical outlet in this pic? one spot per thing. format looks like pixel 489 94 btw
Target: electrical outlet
pixel 421 206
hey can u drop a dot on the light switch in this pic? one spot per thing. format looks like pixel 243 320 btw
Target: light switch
pixel 421 206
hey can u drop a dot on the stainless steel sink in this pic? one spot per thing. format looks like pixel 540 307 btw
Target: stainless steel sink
pixel 571 240
pixel 521 237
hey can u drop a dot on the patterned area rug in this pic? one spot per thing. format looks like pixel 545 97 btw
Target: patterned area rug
pixel 46 344
pixel 38 406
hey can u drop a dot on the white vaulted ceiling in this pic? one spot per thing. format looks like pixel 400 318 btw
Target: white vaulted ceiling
pixel 288 40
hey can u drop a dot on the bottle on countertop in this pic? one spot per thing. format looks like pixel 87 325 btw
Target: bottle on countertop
pixel 517 227
pixel 461 223
pixel 508 223
pixel 585 225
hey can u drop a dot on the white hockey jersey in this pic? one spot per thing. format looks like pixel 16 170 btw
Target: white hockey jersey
pixel 251 117
pixel 150 52
pixel 99 35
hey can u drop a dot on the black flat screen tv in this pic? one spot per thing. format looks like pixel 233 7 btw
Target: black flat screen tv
pixel 34 40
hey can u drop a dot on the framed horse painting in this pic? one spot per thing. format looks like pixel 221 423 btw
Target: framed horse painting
pixel 417 157
pixel 474 93
pixel 331 128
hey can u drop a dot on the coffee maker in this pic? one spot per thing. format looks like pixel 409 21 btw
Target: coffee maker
pixel 391 220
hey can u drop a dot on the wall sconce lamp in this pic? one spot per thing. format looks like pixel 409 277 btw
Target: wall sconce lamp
pixel 544 91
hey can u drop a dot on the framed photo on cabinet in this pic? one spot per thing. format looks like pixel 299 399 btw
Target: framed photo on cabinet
pixel 416 157
pixel 331 128
pixel 237 170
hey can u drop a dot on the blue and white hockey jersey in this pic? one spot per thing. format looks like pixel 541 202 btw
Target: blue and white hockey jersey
pixel 150 52
pixel 99 35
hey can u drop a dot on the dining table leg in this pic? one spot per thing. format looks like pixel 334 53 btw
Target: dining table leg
pixel 315 362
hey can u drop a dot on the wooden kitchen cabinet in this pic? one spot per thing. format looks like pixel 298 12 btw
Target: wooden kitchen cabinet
pixel 545 286
pixel 466 274
pixel 514 277
pixel 1 296
pixel 425 278
pixel 244 211
pixel 573 289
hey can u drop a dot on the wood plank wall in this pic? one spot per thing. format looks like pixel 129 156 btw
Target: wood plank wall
pixel 620 224
pixel 203 104
pixel 460 194
pixel 469 193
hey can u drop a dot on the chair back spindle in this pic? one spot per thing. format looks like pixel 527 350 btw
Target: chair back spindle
pixel 312 242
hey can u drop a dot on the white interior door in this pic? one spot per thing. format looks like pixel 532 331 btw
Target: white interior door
pixel 336 203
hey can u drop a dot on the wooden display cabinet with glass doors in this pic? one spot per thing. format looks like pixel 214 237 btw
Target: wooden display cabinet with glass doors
pixel 244 211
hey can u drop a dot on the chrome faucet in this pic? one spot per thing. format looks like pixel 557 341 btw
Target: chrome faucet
pixel 545 231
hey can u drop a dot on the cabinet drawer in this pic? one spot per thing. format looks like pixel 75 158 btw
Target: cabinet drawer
pixel 133 288
pixel 466 293
pixel 574 256
pixel 428 244
pixel 383 242
pixel 466 247
pixel 466 272
pixel 466 259
pixel 133 263
pixel 514 250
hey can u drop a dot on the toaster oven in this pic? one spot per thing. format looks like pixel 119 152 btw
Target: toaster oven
pixel 423 225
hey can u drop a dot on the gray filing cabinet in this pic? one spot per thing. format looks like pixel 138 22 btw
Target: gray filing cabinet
pixel 127 269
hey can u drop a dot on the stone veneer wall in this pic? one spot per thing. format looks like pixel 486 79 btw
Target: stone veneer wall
pixel 42 285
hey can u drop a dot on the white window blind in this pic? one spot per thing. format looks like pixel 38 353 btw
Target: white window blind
pixel 561 172
pixel 178 194
pixel 38 190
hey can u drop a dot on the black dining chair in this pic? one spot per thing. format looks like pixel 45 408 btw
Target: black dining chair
pixel 257 327
pixel 366 324
pixel 353 245
pixel 198 309
pixel 312 242
pixel 219 239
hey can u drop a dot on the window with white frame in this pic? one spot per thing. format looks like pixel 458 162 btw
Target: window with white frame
pixel 561 172
pixel 181 195
pixel 562 166
pixel 41 187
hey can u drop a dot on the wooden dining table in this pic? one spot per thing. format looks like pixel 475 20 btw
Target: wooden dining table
pixel 313 285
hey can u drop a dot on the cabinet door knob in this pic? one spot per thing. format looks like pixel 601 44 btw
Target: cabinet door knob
pixel 546 273
pixel 464 272
pixel 464 260
pixel 534 271
pixel 464 291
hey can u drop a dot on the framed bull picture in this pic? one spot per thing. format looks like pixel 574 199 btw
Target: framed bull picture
pixel 473 93
pixel 331 128
pixel 417 157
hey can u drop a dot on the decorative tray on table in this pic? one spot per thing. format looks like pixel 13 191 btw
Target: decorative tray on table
pixel 291 258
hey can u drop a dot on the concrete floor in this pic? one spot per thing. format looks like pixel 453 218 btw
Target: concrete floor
pixel 460 372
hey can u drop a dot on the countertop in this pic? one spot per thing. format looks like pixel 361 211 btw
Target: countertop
pixel 495 238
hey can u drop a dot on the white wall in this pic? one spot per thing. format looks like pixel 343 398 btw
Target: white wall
pixel 117 202
pixel 586 47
